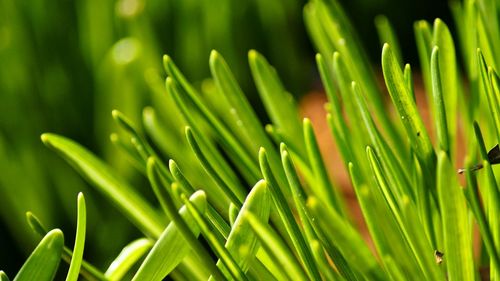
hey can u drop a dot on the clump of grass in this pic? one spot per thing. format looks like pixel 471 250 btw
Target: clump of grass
pixel 261 196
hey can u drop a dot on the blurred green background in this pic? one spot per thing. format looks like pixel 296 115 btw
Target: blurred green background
pixel 64 65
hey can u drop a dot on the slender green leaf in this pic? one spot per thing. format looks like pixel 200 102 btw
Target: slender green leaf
pixel 439 103
pixel 157 264
pixel 279 104
pixel 183 226
pixel 405 105
pixel 297 237
pixel 127 258
pixel 323 187
pixel 76 259
pixel 242 243
pixel 457 236
pixel 235 195
pixel 276 248
pixel 87 270
pixel 299 197
pixel 43 262
pixel 228 265
pixel 106 181
pixel 387 35
pixel 349 241
pixel 3 276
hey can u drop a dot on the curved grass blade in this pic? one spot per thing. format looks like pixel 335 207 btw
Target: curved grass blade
pixel 228 86
pixel 276 248
pixel 43 262
pixel 448 72
pixel 185 239
pixel 3 276
pixel 409 80
pixel 405 105
pixel 242 242
pixel 323 187
pixel 127 258
pixel 347 239
pixel 212 214
pixel 386 34
pixel 280 104
pixel 228 265
pixel 87 270
pixel 299 198
pixel 76 259
pixel 135 208
pixel 456 230
pixel 285 213
pixel 439 103
pixel 491 196
pixel 471 193
pixel 171 247
pixel 235 195
pixel 230 142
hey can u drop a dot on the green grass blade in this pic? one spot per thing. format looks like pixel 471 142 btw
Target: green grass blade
pixel 43 262
pixel 471 193
pixel 285 213
pixel 322 186
pixel 228 265
pixel 386 34
pixel 227 85
pixel 448 71
pixel 326 269
pixel 493 105
pixel 279 104
pixel 235 195
pixel 409 80
pixel 212 214
pixel 76 259
pixel 439 103
pixel 3 276
pixel 242 242
pixel 495 85
pixel 457 237
pixel 299 197
pixel 276 248
pixel 423 38
pixel 230 142
pixel 405 105
pixel 106 181
pixel 491 196
pixel 348 240
pixel 87 270
pixel 129 255
pixel 157 264
pixel 184 227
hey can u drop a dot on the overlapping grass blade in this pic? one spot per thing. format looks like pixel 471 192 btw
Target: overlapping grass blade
pixel 323 187
pixel 242 242
pixel 456 231
pixel 3 276
pixel 228 266
pixel 285 213
pixel 386 34
pixel 300 197
pixel 439 107
pixel 43 262
pixel 184 228
pixel 276 248
pixel 279 104
pixel 87 270
pixel 348 240
pixel 127 258
pixel 76 258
